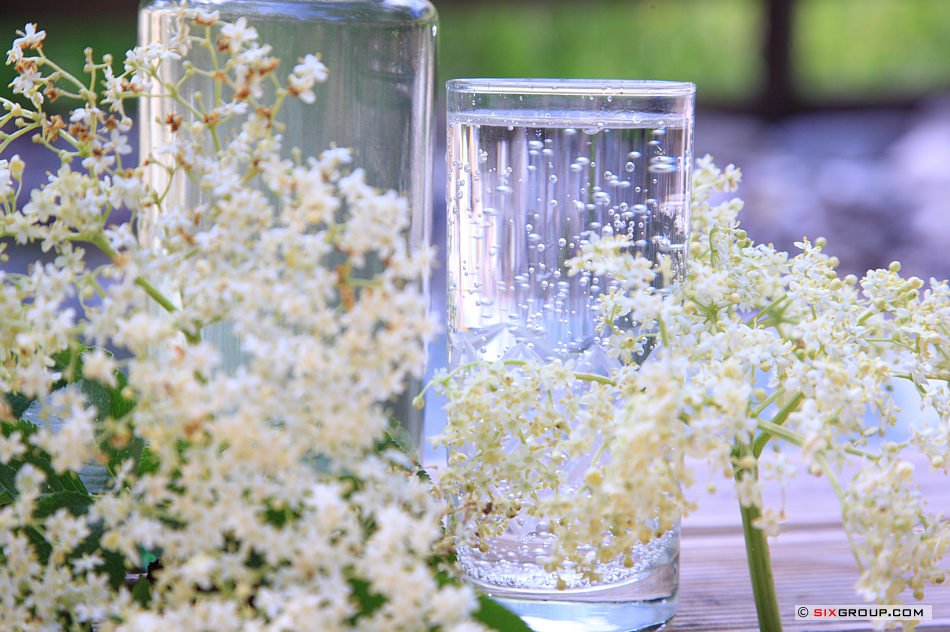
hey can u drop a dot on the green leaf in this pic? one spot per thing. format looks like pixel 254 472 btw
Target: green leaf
pixel 147 558
pixel 98 395
pixel 497 617
pixel 113 564
pixel 367 601
pixel 7 484
pixel 120 406
pixel 142 592
pixel 69 363
pixel 18 403
pixel 76 502
pixel 40 545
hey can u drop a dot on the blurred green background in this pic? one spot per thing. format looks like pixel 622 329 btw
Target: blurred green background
pixel 840 50
pixel 837 110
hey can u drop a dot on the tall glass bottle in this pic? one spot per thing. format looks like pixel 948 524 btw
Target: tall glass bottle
pixel 377 100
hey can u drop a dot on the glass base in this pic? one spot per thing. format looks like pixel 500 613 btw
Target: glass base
pixel 579 616
pixel 645 600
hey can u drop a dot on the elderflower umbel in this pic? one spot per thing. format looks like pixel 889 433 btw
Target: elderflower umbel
pixel 753 347
pixel 260 483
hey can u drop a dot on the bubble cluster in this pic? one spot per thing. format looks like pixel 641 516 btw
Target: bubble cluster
pixel 522 201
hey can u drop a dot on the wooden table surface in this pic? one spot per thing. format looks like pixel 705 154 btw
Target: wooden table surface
pixel 811 559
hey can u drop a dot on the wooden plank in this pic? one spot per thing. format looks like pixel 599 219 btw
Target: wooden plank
pixel 811 559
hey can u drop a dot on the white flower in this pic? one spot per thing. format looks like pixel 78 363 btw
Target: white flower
pixel 6 180
pixel 11 447
pixel 29 38
pixel 236 35
pixel 99 365
pixel 305 75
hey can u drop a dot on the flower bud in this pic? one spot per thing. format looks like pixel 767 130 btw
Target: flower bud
pixel 16 167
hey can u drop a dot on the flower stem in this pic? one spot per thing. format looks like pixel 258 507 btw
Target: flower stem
pixel 760 566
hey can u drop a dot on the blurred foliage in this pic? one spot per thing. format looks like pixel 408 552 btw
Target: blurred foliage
pixel 855 49
pixel 67 37
pixel 842 49
pixel 714 43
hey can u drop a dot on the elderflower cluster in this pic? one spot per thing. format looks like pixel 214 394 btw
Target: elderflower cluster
pixel 261 480
pixel 753 350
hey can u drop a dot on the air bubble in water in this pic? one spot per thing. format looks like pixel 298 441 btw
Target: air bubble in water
pixel 630 167
pixel 561 242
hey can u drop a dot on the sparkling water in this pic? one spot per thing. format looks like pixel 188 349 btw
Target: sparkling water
pixel 522 198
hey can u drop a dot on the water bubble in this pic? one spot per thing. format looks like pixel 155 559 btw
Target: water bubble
pixel 491 212
pixel 662 164
pixel 552 179
pixel 528 227
pixel 608 175
pixel 534 238
pixel 575 167
pixel 629 167
pixel 561 242
pixel 503 188
pixel 570 131
pixel 633 155
pixel 578 205
pixel 541 247
pixel 535 144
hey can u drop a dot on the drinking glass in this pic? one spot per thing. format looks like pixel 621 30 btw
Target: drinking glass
pixel 535 168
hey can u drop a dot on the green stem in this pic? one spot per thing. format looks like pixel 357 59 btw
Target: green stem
pixel 593 377
pixel 9 138
pixel 156 295
pixel 796 439
pixel 839 492
pixel 103 244
pixel 777 420
pixel 768 310
pixel 760 566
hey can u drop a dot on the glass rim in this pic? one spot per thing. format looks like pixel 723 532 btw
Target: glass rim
pixel 572 87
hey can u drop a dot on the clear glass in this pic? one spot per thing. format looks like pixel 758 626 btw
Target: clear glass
pixel 377 101
pixel 535 167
